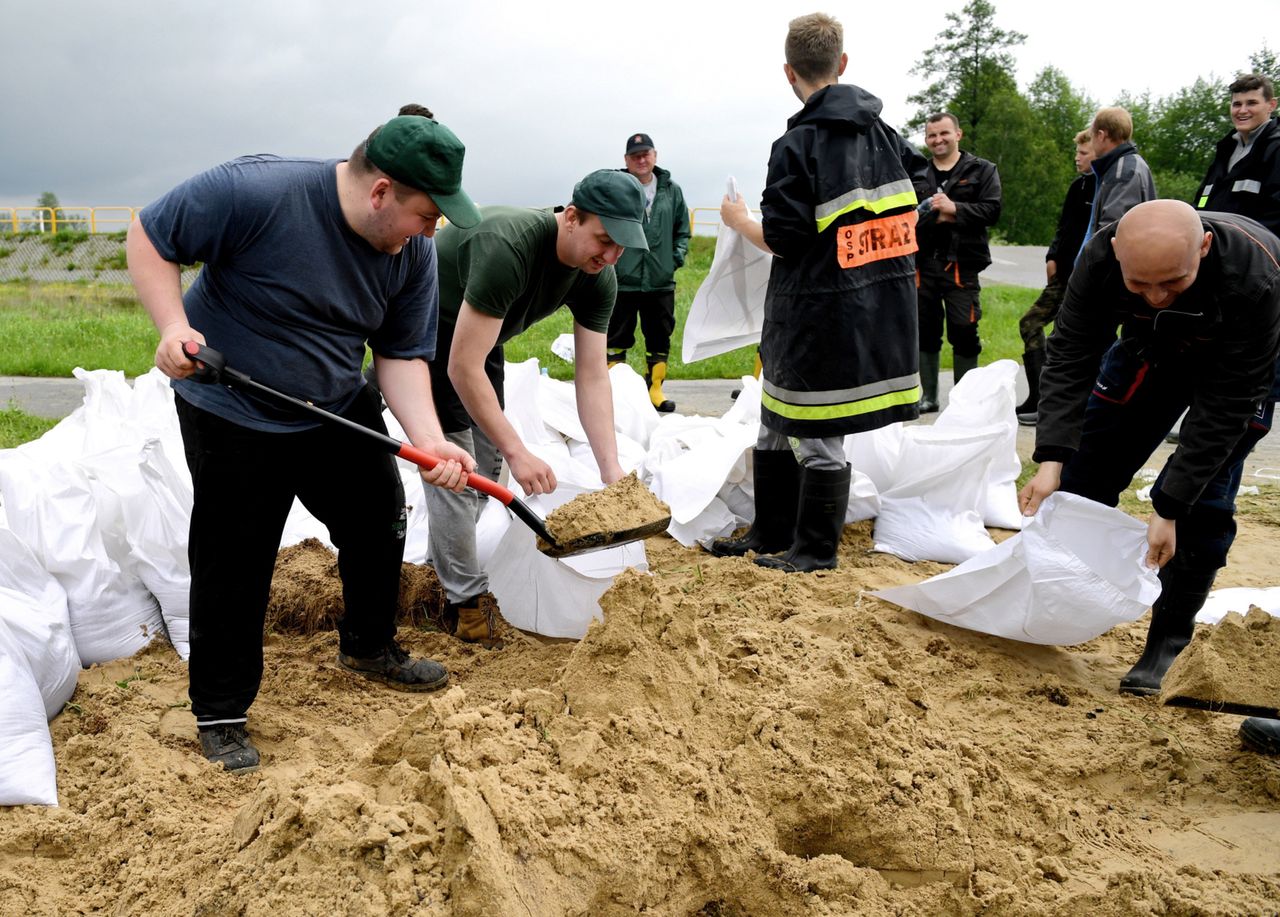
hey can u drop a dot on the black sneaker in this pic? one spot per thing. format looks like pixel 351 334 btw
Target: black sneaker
pixel 395 667
pixel 229 744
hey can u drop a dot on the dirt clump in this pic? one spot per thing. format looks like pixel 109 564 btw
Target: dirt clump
pixel 306 592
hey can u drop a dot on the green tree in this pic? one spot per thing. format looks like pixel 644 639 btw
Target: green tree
pixel 1264 61
pixel 47 202
pixel 1034 171
pixel 1060 108
pixel 970 68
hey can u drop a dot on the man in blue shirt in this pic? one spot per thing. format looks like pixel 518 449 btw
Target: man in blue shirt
pixel 305 261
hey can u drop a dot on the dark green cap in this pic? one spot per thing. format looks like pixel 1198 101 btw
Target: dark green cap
pixel 617 198
pixel 426 156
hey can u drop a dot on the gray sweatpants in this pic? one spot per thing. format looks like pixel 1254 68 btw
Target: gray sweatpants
pixel 451 523
pixel 819 454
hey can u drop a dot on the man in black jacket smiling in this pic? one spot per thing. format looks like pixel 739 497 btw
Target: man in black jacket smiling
pixel 953 251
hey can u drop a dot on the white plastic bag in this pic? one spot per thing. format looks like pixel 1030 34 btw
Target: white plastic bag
pixel 27 773
pixel 554 597
pixel 1074 572
pixel 931 509
pixel 51 508
pixel 728 309
pixel 986 396
pixel 34 606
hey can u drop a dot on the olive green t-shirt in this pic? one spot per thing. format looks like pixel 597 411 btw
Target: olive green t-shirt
pixel 506 266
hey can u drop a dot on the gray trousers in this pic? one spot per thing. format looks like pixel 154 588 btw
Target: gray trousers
pixel 820 454
pixel 451 524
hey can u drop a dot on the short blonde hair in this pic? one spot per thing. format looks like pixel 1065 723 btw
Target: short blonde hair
pixel 1115 121
pixel 814 45
pixel 1084 137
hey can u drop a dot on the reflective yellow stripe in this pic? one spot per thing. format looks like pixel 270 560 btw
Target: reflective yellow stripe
pixel 834 411
pixel 1204 200
pixel 826 216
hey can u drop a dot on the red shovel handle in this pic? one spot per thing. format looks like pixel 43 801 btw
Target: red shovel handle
pixel 476 482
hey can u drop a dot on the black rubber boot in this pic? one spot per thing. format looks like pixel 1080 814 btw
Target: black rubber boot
pixel 928 382
pixel 824 497
pixel 777 485
pixel 961 365
pixel 614 357
pixel 1261 734
pixel 1033 363
pixel 1173 621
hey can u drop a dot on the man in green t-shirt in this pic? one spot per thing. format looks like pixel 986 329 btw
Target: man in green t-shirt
pixel 496 279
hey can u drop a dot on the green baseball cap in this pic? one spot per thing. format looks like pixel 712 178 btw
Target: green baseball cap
pixel 617 198
pixel 426 156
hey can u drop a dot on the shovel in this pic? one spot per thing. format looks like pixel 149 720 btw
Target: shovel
pixel 1221 706
pixel 211 367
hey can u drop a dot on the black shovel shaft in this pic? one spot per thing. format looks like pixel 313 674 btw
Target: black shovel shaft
pixel 216 370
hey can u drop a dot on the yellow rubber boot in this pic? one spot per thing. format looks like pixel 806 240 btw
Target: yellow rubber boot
pixel 614 357
pixel 657 374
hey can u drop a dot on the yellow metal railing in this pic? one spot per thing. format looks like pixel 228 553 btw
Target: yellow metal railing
pixel 66 219
pixel 114 219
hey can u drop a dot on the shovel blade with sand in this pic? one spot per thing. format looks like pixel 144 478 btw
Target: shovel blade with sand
pixel 1229 668
pixel 571 537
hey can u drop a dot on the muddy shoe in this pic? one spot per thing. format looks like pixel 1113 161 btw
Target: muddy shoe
pixel 229 744
pixel 477 621
pixel 1261 734
pixel 395 667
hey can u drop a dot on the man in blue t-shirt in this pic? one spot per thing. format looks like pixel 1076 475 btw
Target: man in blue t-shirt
pixel 305 261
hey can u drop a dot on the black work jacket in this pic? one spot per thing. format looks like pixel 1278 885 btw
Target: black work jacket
pixel 973 184
pixel 1252 188
pixel 1222 334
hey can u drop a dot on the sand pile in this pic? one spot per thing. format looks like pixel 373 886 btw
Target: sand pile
pixel 624 506
pixel 1237 662
pixel 729 741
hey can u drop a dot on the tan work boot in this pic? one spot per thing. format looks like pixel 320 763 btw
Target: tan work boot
pixel 657 375
pixel 478 621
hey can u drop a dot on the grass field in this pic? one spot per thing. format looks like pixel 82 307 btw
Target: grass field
pixel 49 329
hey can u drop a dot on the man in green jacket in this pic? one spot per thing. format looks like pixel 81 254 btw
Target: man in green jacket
pixel 646 279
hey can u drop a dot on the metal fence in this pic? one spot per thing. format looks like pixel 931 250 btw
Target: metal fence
pixel 66 219
pixel 702 220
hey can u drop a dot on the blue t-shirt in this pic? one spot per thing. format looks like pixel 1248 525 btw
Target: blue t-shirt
pixel 289 293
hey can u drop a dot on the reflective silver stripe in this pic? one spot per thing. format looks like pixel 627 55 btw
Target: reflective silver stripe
pixel 867 195
pixel 842 395
pixel 1249 185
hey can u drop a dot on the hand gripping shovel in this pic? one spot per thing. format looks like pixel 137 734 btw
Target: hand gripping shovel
pixel 211 367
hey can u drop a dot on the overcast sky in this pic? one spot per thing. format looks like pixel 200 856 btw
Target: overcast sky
pixel 113 103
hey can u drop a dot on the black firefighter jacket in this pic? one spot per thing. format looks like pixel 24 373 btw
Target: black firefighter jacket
pixel 839 213
pixel 1252 188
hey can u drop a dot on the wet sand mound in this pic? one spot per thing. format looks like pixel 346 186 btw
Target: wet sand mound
pixel 730 740
pixel 1237 662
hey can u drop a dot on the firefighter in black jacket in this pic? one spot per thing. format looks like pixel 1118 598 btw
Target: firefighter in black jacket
pixel 1197 299
pixel 838 343
pixel 953 251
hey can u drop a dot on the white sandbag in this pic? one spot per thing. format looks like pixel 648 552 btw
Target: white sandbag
pixel 27 773
pixel 1074 572
pixel 633 413
pixel 34 606
pixel 158 526
pixel 554 597
pixel 987 395
pixel 931 510
pixel 877 454
pixel 1239 598
pixel 728 308
pixel 521 396
pixel 51 508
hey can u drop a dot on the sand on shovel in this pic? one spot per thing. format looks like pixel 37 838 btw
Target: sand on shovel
pixel 1232 664
pixel 625 506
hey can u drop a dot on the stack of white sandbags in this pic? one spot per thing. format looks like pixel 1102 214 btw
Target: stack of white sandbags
pixel 38 668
